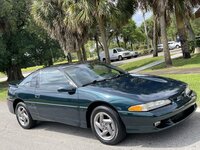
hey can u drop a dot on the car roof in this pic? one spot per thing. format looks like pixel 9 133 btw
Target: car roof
pixel 66 65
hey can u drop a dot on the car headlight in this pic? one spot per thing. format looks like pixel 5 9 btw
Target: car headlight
pixel 149 106
pixel 188 91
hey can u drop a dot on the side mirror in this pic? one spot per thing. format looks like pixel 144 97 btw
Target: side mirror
pixel 68 88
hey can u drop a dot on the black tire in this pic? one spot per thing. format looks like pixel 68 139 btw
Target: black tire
pixel 120 133
pixel 31 123
pixel 177 46
pixel 120 58
pixel 104 60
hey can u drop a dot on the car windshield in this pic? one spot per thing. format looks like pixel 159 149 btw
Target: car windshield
pixel 86 74
pixel 120 49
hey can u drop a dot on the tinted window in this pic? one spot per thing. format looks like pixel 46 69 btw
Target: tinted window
pixel 114 51
pixel 30 81
pixel 52 78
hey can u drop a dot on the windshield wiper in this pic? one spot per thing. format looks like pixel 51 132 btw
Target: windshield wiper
pixel 93 82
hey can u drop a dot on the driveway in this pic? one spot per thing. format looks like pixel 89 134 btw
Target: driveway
pixel 54 136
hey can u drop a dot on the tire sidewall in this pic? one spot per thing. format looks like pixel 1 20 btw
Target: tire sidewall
pixel 120 58
pixel 117 121
pixel 31 121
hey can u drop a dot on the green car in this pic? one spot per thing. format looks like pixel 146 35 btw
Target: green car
pixel 110 101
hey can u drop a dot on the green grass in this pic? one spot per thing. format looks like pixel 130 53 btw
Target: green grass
pixel 2 75
pixel 193 80
pixel 194 62
pixel 31 69
pixel 136 64
pixel 3 91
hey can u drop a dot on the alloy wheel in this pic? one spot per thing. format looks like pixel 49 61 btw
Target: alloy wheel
pixel 105 126
pixel 22 115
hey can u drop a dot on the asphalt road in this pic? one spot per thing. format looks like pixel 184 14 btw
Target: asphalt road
pixel 54 136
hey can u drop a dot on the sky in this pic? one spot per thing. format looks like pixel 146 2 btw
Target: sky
pixel 138 17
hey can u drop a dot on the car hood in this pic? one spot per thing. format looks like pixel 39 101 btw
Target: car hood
pixel 140 87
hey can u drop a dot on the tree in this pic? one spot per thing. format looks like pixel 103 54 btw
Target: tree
pixel 13 17
pixel 162 4
pixel 103 12
pixel 51 15
pixel 131 34
pixel 183 10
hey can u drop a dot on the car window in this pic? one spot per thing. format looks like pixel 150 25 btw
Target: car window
pixel 120 49
pixel 52 79
pixel 114 51
pixel 30 81
pixel 84 74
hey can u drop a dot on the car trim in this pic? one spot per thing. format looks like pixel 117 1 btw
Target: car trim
pixel 40 103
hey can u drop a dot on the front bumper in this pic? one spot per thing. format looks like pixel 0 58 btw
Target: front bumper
pixel 168 116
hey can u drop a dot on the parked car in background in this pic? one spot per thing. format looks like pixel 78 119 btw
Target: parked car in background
pixel 174 44
pixel 160 47
pixel 134 53
pixel 102 97
pixel 116 54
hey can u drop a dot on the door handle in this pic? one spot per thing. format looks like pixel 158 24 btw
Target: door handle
pixel 37 96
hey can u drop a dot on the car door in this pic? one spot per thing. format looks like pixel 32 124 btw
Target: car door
pixel 114 54
pixel 53 105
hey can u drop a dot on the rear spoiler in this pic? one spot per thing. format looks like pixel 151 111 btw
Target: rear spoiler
pixel 14 84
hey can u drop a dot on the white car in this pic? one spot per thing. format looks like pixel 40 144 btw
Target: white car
pixel 173 44
pixel 134 53
pixel 116 54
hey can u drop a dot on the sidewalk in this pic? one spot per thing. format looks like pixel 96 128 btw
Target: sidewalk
pixel 154 64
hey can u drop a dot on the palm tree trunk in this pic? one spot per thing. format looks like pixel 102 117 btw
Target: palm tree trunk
pixel 145 28
pixel 155 35
pixel 84 53
pixel 190 30
pixel 182 33
pixel 163 27
pixel 118 43
pixel 103 38
pixel 97 46
pixel 69 57
pixel 79 55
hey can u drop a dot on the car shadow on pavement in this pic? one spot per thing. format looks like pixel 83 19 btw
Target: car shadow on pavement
pixel 65 129
pixel 182 135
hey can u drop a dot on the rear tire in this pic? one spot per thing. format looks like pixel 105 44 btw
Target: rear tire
pixel 177 46
pixel 23 116
pixel 107 125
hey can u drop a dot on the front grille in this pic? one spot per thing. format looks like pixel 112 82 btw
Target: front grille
pixel 177 118
pixel 181 98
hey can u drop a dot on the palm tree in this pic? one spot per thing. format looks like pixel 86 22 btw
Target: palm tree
pixel 102 11
pixel 51 15
pixel 162 5
pixel 152 5
pixel 183 10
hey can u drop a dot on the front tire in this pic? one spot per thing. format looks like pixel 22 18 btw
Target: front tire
pixel 120 58
pixel 24 117
pixel 107 125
